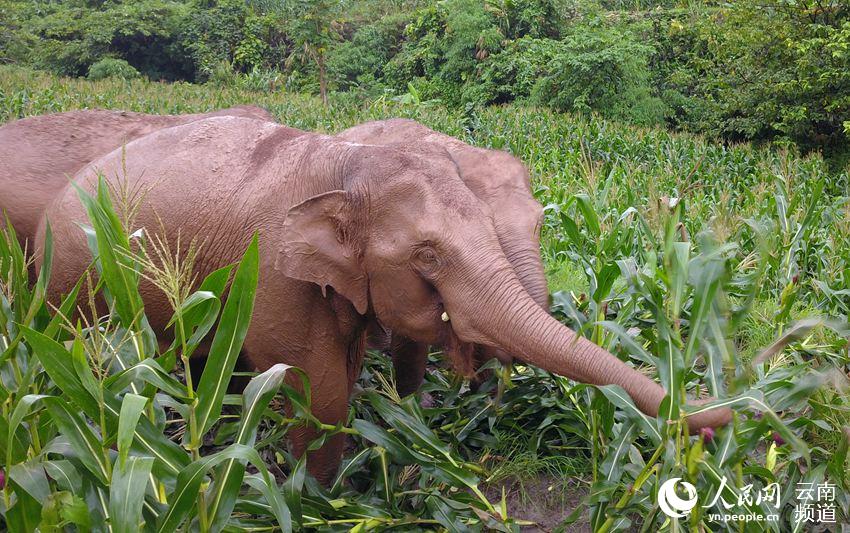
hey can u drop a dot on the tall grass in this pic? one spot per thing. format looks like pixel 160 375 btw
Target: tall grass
pixel 723 270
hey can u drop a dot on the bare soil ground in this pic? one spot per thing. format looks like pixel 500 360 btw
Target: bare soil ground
pixel 545 500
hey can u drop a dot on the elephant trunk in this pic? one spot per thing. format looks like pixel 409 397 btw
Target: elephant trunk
pixel 526 262
pixel 515 323
pixel 523 254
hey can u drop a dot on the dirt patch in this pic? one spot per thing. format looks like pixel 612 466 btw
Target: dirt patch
pixel 546 500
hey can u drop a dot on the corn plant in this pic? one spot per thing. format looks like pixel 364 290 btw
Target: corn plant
pixel 679 310
pixel 722 270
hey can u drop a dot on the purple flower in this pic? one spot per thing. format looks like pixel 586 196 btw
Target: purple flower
pixel 707 434
pixel 2 480
pixel 777 438
pixel 426 401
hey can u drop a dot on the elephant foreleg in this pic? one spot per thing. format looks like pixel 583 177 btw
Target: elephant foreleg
pixel 330 390
pixel 330 407
pixel 409 360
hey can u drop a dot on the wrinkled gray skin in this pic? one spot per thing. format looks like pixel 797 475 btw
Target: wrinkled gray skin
pixel 38 155
pixel 349 234
pixel 502 182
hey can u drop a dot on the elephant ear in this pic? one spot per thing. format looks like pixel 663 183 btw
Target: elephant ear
pixel 317 247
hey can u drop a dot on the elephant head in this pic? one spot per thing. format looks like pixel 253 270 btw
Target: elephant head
pixel 406 240
pixel 499 180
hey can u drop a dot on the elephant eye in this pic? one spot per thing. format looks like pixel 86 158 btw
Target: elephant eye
pixel 426 259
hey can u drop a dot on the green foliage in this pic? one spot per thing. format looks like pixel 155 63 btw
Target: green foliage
pixel 15 38
pixel 69 37
pixel 212 35
pixel 592 70
pixel 748 70
pixel 601 70
pixel 358 63
pixel 719 269
pixel 312 27
pixel 110 67
pixel 763 71
pixel 532 18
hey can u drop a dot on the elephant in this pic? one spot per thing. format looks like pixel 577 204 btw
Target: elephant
pixel 40 154
pixel 45 163
pixel 348 233
pixel 503 183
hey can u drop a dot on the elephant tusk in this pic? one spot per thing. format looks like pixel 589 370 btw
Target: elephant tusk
pixel 445 316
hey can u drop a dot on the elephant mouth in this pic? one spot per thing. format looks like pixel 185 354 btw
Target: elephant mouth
pixel 461 354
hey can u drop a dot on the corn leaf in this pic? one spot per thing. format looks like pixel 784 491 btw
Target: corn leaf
pixel 231 331
pixel 127 493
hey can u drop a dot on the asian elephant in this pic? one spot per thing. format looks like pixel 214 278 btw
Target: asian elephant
pixel 502 182
pixel 349 233
pixel 40 154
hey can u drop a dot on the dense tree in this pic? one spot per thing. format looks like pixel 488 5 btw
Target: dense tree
pixel 68 37
pixel 312 27
pixel 748 70
pixel 768 69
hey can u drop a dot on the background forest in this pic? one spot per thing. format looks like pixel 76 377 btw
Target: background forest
pixel 761 70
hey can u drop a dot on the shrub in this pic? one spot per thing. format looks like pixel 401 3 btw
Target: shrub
pixel 420 54
pixel 261 80
pixel 222 74
pixel 532 18
pixel 15 37
pixel 599 70
pixel 761 71
pixel 603 70
pixel 70 36
pixel 111 67
pixel 359 62
pixel 512 73
pixel 212 34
